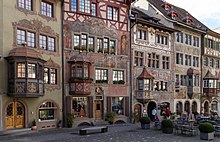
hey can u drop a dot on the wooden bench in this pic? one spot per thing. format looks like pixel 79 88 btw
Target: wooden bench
pixel 101 129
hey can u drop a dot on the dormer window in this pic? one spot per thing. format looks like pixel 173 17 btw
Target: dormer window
pixel 173 15
pixel 188 20
pixel 166 6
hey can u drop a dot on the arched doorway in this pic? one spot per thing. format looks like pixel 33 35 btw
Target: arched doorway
pixel 206 108
pixel 15 115
pixel 137 109
pixel 150 107
pixel 179 108
pixel 187 107
pixel 194 107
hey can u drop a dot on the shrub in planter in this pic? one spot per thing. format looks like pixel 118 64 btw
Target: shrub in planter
pixel 70 119
pixel 110 117
pixel 167 126
pixel 34 125
pixel 206 131
pixel 145 122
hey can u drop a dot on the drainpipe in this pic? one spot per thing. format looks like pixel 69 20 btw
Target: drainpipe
pixel 134 18
pixel 63 65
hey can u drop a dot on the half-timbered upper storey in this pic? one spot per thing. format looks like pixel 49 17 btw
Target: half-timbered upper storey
pixel 112 12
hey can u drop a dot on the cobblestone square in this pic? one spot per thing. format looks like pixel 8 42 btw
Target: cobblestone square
pixel 116 133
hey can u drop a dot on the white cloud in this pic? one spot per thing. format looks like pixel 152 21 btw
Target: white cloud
pixel 205 11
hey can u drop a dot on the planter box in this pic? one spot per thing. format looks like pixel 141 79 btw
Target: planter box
pixel 167 130
pixel 145 126
pixel 206 136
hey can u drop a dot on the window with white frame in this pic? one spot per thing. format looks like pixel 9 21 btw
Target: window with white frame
pixel 205 61
pixel 188 39
pixel 196 80
pixel 211 62
pixel 47 42
pixel 84 6
pixel 100 45
pixel 76 39
pixel 32 70
pixel 217 64
pixel 179 37
pixel 138 58
pixel 118 77
pixel 24 36
pixel 183 80
pixel 210 43
pixel 101 75
pixel 93 9
pixel 113 13
pixel 195 41
pixel 26 4
pixel 188 60
pixel 195 61
pixel 50 75
pixel 162 39
pixel 163 85
pixel 83 42
pixel 21 70
pixel 165 62
pixel 179 58
pixel 153 60
pixel 91 44
pixel 47 8
pixel 141 34
pixel 106 45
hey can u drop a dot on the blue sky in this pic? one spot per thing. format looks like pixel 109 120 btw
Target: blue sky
pixel 208 12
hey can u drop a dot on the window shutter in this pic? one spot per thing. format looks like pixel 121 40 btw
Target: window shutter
pixel 109 101
pixel 127 104
pixel 68 104
pixel 90 106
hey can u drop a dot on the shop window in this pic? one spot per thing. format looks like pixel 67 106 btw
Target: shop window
pixel 79 106
pixel 118 105
pixel 47 111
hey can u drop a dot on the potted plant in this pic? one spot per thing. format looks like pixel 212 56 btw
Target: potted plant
pixel 134 117
pixel 206 131
pixel 34 126
pixel 167 126
pixel 70 119
pixel 145 122
pixel 110 116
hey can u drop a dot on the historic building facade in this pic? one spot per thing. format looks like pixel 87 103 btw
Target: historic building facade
pixel 30 63
pixel 188 42
pixel 210 72
pixel 152 63
pixel 96 56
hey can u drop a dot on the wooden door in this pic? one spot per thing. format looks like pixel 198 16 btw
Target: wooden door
pixel 137 109
pixel 98 109
pixel 15 115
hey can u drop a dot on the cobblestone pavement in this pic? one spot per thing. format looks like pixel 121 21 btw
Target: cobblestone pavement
pixel 116 133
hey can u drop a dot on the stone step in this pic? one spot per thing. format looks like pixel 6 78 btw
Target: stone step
pixel 16 131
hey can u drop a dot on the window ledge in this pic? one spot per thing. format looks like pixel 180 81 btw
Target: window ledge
pixel 25 11
pixel 48 18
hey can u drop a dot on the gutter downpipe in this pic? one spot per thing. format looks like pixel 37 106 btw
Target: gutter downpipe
pixel 63 81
